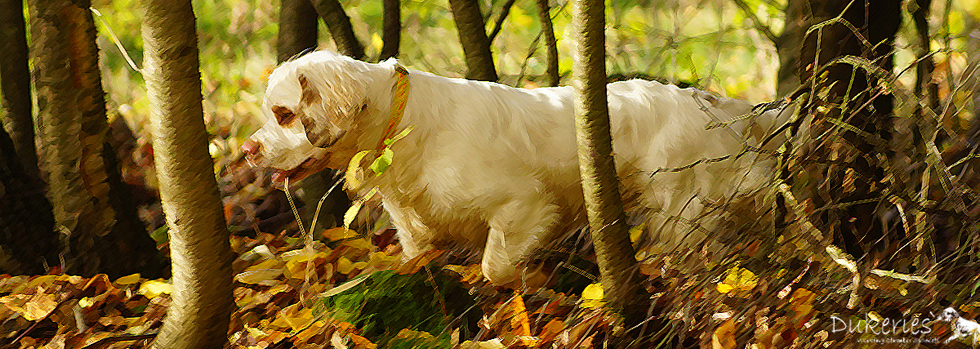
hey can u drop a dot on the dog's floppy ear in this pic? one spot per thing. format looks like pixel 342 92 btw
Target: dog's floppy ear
pixel 309 94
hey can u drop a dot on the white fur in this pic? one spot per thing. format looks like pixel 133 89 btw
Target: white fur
pixel 494 168
pixel 963 329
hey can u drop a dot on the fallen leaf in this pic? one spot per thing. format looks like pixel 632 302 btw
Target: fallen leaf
pixel 338 233
pixel 154 288
pixel 592 296
pixel 551 330
pixel 738 279
pixel 264 277
pixel 415 264
pixel 724 336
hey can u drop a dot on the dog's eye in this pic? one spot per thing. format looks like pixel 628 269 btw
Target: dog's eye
pixel 283 115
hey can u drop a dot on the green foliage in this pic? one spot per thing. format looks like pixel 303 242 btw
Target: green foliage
pixel 387 302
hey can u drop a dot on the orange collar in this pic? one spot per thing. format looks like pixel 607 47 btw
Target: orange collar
pixel 398 102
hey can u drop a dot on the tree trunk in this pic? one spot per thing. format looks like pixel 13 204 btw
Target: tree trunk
pixel 340 29
pixel 550 43
pixel 473 38
pixel 854 169
pixel 297 28
pixel 91 204
pixel 614 252
pixel 27 239
pixel 200 251
pixel 788 47
pixel 392 34
pixel 15 77
pixel 297 32
pixel 924 86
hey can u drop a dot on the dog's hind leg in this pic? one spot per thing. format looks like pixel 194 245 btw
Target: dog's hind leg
pixel 515 229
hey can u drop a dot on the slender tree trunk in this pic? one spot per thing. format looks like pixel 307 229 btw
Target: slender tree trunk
pixel 473 38
pixel 27 239
pixel 924 86
pixel 550 43
pixel 788 47
pixel 91 205
pixel 614 252
pixel 202 278
pixel 297 28
pixel 392 34
pixel 854 170
pixel 340 29
pixel 499 23
pixel 298 32
pixel 15 78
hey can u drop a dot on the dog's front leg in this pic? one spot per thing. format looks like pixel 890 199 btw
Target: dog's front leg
pixel 516 228
pixel 413 235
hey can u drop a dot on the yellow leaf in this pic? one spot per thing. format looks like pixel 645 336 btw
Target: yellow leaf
pixel 411 334
pixel 376 41
pixel 295 316
pixel 738 279
pixel 128 279
pixel 724 336
pixel 415 264
pixel 154 288
pixel 551 330
pixel 266 264
pixel 355 207
pixel 86 302
pixel 592 296
pixel 338 233
pixel 265 277
pixel 39 306
pixel 354 169
pixel 358 244
pixel 636 232
pixel 345 266
pixel 469 274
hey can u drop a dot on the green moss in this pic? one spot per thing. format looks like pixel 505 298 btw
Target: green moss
pixel 387 302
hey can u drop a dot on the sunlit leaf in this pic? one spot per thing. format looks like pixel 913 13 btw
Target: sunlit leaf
pixel 592 296
pixel 345 286
pixel 382 162
pixel 737 279
pixel 154 288
pixel 128 279
pixel 338 233
pixel 266 277
pixel 724 336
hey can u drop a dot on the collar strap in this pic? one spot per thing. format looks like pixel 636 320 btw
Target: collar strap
pixel 398 101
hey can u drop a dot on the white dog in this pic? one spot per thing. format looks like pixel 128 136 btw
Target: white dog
pixel 963 329
pixel 494 168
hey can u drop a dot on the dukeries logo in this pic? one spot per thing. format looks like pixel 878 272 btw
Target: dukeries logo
pixel 917 329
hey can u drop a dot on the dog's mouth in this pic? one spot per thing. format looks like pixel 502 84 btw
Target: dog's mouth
pixel 310 166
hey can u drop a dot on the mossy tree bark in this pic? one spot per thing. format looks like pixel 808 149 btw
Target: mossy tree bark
pixel 610 234
pixel 199 247
pixel 550 43
pixel 340 28
pixel 392 29
pixel 92 208
pixel 473 38
pixel 297 28
pixel 15 82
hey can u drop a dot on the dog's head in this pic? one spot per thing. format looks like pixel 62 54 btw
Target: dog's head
pixel 310 106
